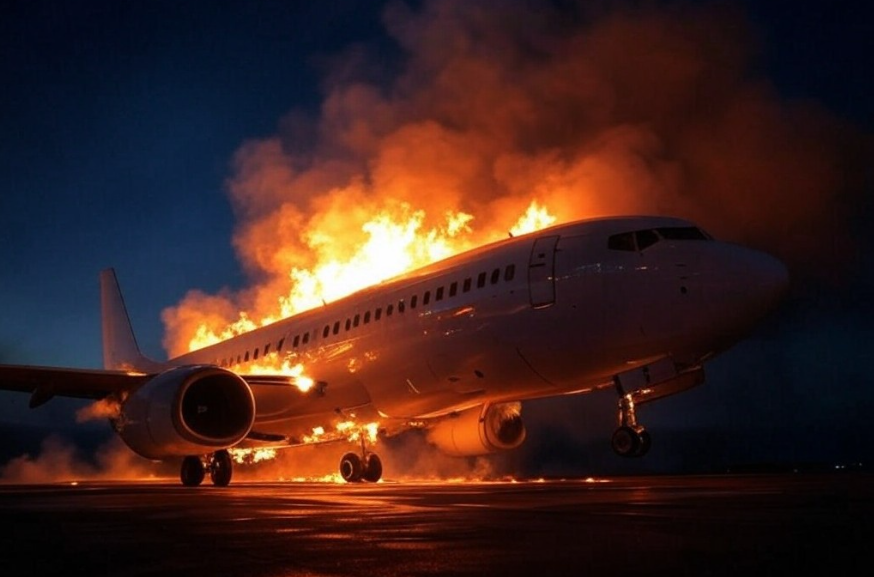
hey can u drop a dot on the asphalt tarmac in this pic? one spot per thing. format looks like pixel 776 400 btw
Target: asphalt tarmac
pixel 709 525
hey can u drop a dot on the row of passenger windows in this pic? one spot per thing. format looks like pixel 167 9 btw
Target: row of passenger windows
pixel 436 295
pixel 643 239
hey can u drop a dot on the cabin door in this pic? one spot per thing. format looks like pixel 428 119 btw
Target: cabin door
pixel 541 272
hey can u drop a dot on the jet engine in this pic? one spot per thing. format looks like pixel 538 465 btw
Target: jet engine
pixel 188 410
pixel 480 430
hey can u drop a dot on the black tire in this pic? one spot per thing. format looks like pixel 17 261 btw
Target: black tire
pixel 372 468
pixel 645 443
pixel 625 442
pixel 221 468
pixel 351 468
pixel 192 472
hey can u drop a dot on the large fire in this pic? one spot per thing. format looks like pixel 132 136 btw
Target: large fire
pixel 395 243
pixel 502 121
pixel 551 112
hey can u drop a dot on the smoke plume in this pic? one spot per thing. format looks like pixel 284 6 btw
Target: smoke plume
pixel 588 111
pixel 62 461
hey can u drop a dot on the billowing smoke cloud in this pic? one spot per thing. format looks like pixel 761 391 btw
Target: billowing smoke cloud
pixel 60 460
pixel 98 411
pixel 588 111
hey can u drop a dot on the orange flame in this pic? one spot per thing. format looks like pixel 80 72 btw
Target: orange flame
pixel 250 456
pixel 395 242
pixel 535 218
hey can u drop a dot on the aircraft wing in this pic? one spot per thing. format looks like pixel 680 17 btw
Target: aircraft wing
pixel 46 382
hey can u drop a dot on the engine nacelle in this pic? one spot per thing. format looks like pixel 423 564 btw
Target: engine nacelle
pixel 480 430
pixel 187 410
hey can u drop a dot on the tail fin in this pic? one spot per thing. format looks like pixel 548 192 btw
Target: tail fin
pixel 120 349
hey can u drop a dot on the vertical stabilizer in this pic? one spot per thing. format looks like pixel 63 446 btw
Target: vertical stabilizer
pixel 120 349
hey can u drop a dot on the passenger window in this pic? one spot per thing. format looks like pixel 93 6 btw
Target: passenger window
pixel 367 317
pixel 509 272
pixel 266 349
pixel 400 306
pixel 377 314
pixel 326 332
pixel 336 327
pixel 453 289
pixel 496 275
pixel 467 283
pixel 413 301
pixel 296 341
pixel 481 280
pixel 348 324
pixel 279 346
pixel 256 353
pixel 439 295
pixel 426 298
pixel 306 337
pixel 355 320
pixel 389 310
pixel 246 358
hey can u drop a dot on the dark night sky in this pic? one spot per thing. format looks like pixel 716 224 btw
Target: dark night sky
pixel 119 124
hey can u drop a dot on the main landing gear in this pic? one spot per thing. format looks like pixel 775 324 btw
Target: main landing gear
pixel 630 439
pixel 355 468
pixel 219 465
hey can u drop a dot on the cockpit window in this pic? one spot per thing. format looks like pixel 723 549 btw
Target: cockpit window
pixel 642 239
pixel 682 233
pixel 646 238
pixel 623 241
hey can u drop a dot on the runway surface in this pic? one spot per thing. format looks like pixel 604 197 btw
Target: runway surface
pixel 709 525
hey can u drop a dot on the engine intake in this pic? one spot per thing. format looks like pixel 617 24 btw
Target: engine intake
pixel 480 430
pixel 187 411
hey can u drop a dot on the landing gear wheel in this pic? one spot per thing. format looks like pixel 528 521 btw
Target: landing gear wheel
pixel 372 468
pixel 221 468
pixel 645 443
pixel 630 439
pixel 626 442
pixel 192 473
pixel 351 468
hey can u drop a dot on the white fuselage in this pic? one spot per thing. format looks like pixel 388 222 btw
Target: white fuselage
pixel 548 313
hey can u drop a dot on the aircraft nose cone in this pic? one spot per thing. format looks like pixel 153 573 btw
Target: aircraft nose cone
pixel 768 279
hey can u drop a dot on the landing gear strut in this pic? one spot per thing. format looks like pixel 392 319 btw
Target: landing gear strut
pixel 630 439
pixel 219 465
pixel 364 467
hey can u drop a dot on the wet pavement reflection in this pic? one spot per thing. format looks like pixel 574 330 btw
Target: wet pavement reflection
pixel 708 525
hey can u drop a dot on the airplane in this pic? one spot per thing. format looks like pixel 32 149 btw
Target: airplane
pixel 638 304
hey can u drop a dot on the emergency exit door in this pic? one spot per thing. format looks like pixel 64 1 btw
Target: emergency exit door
pixel 541 271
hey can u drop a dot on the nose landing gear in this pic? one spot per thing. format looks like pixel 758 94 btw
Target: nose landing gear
pixel 630 439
